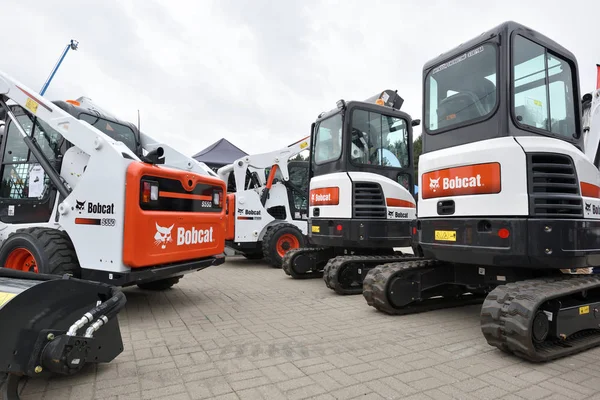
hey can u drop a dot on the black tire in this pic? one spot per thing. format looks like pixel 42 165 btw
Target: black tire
pixel 161 284
pixel 52 250
pixel 269 242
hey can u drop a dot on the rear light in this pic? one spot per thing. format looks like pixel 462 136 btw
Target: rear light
pixel 339 228
pixel 217 198
pixel 503 233
pixel 149 191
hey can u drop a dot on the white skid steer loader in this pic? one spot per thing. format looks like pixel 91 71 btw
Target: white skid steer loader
pixel 267 203
pixel 85 194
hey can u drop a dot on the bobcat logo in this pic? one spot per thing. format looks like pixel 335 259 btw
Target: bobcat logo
pixel 240 210
pixel 434 184
pixel 79 205
pixel 390 213
pixel 162 235
pixel 588 206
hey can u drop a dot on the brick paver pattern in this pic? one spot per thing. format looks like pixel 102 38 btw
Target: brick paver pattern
pixel 244 330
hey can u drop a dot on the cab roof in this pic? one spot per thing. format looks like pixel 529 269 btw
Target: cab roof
pixel 499 30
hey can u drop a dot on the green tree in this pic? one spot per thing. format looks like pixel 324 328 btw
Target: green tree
pixel 417 150
pixel 298 157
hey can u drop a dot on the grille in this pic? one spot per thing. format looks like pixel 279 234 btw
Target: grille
pixel 368 200
pixel 553 186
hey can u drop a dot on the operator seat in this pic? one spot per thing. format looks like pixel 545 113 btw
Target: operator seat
pixel 459 107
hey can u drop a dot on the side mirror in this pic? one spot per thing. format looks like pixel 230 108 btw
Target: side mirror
pixel 415 122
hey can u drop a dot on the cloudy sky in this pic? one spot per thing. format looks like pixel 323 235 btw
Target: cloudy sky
pixel 258 72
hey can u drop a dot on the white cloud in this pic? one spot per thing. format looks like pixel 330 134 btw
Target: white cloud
pixel 257 73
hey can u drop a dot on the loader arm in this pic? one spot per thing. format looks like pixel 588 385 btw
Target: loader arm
pixel 278 158
pixel 78 132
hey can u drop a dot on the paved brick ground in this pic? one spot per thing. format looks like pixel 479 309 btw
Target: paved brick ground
pixel 246 331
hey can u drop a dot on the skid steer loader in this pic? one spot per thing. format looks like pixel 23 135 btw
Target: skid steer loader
pixel 267 203
pixel 361 185
pixel 84 194
pixel 509 201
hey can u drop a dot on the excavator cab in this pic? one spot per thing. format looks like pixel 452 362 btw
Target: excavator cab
pixel 362 136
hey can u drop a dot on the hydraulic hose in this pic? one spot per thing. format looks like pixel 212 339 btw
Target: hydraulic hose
pixel 108 309
pixel 30 276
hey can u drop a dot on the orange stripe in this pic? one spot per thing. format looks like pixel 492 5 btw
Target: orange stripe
pixel 391 202
pixel 175 195
pixel 589 190
pixel 87 221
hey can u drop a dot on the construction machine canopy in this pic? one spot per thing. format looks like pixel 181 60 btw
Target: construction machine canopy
pixel 219 154
pixel 509 81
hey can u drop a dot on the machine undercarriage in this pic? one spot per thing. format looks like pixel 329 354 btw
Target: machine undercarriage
pixel 539 317
pixel 343 273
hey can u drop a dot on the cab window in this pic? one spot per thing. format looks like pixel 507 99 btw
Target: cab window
pixel 112 129
pixel 22 175
pixel 461 90
pixel 543 89
pixel 328 140
pixel 378 139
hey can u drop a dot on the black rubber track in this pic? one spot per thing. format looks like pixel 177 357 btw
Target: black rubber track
pixel 288 260
pixel 375 289
pixel 337 266
pixel 508 311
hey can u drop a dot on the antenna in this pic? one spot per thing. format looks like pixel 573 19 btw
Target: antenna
pixel 139 121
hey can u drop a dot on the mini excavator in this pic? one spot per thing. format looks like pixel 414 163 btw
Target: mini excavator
pixel 361 179
pixel 509 201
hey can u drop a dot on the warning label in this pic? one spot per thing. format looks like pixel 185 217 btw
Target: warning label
pixel 5 298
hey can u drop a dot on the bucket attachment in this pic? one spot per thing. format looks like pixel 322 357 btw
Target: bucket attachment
pixel 54 325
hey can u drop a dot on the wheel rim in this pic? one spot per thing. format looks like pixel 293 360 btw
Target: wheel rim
pixel 287 242
pixel 21 259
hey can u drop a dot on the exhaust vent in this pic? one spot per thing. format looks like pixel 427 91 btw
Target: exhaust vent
pixel 553 186
pixel 369 201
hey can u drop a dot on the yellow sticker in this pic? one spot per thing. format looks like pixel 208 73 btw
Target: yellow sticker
pixel 584 310
pixel 31 105
pixel 449 236
pixel 315 228
pixel 5 297
pixel 303 145
pixel 537 103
